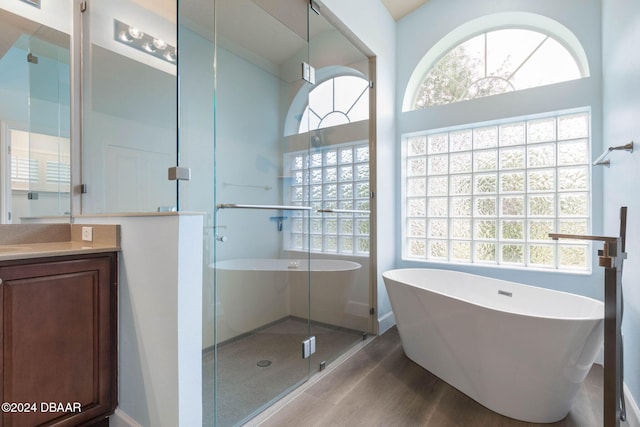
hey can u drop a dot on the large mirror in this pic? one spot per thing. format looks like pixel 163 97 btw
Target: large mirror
pixel 35 169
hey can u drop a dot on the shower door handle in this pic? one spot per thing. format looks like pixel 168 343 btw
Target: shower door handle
pixel 268 207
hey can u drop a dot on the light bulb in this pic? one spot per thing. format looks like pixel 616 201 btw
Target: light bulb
pixel 170 56
pixel 149 47
pixel 136 33
pixel 160 44
pixel 125 37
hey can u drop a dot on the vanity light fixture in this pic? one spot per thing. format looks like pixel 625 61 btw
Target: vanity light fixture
pixel 138 39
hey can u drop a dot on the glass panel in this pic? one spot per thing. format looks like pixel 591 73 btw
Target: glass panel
pixel 512 158
pixel 339 301
pixel 512 230
pixel 573 256
pixel 573 126
pixel 485 252
pixel 573 179
pixel 512 134
pixel 541 255
pixel 460 162
pixel 417 146
pixel 253 290
pixel 35 114
pixel 512 254
pixel 129 136
pixel 437 143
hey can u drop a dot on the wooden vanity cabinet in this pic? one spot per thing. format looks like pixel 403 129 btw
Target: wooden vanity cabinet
pixel 59 340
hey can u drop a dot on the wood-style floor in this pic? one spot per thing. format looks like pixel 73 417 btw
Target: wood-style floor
pixel 380 386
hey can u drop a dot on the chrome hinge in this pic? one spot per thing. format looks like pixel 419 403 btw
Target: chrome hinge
pixel 370 84
pixel 83 189
pixel 372 195
pixel 308 73
pixel 32 58
pixel 177 173
pixel 83 6
pixel 308 347
pixel 372 311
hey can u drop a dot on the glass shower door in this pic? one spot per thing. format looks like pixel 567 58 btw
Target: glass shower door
pixel 258 341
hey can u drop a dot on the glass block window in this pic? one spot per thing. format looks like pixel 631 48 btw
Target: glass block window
pixel 491 194
pixel 496 62
pixel 335 177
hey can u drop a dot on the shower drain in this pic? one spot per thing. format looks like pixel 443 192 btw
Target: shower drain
pixel 264 363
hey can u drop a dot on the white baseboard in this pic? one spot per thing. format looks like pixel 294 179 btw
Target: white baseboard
pixel 633 413
pixel 121 419
pixel 386 322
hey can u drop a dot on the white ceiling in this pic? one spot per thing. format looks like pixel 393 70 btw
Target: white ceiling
pixel 400 8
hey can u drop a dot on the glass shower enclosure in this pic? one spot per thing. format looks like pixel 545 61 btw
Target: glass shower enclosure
pixel 266 104
pixel 273 124
pixel 286 287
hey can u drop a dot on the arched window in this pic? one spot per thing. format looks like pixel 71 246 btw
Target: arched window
pixel 488 192
pixel 496 62
pixel 340 96
pixel 336 101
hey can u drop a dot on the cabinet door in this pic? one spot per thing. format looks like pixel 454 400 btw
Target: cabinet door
pixel 58 341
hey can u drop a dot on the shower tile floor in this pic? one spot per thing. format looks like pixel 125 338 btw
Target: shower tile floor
pixel 244 386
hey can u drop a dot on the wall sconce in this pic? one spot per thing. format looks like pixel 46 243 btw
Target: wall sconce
pixel 35 3
pixel 138 39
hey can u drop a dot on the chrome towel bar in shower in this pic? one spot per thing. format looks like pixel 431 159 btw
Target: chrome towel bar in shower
pixel 270 207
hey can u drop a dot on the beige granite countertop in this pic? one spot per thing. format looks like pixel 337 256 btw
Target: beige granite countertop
pixel 21 241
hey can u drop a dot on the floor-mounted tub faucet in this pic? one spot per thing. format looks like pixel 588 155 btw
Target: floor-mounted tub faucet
pixel 611 257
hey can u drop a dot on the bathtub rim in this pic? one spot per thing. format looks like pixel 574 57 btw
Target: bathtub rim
pixel 386 276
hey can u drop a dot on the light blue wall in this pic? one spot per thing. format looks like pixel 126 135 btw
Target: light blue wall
pixel 621 110
pixel 420 30
pixel 369 22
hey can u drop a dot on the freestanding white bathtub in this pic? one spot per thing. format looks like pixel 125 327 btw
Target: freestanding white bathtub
pixel 519 350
